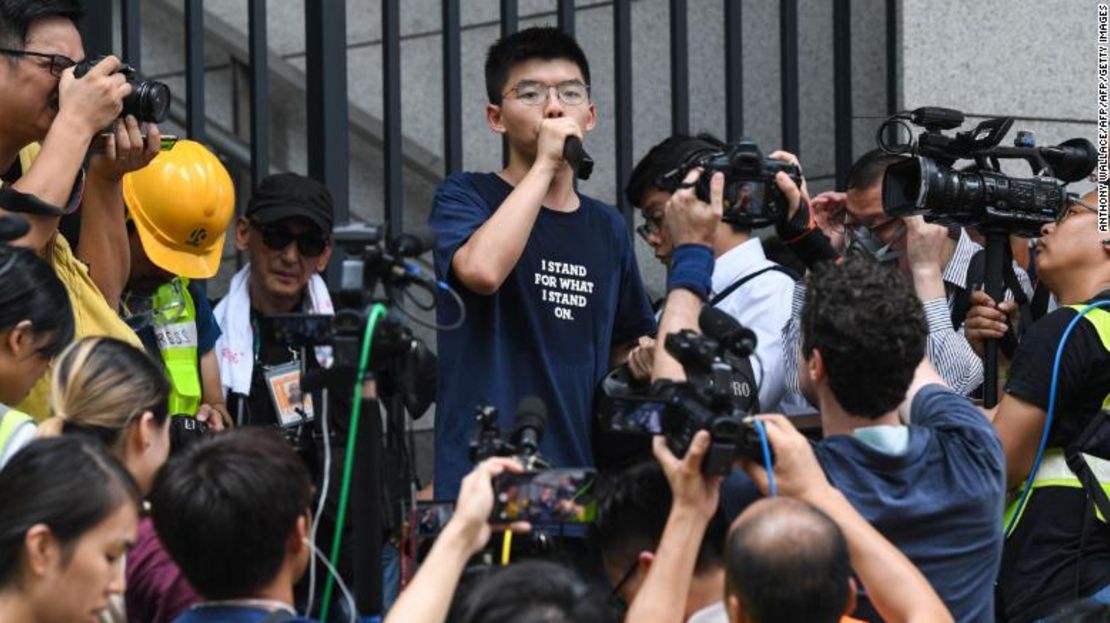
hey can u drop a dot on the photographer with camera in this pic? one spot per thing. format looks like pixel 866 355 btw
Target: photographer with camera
pixel 49 119
pixel 548 278
pixel 179 207
pixel 938 265
pixel 36 323
pixel 746 285
pixel 1052 423
pixel 631 516
pixel 786 560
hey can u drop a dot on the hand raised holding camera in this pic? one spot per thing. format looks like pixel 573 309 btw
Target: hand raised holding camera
pixel 92 102
pixel 126 149
pixel 797 472
pixel 691 221
pixel 691 489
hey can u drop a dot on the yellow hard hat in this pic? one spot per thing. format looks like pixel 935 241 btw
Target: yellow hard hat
pixel 182 203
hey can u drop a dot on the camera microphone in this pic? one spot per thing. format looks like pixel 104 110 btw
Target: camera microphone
pixel 530 422
pixel 733 336
pixel 413 243
pixel 577 158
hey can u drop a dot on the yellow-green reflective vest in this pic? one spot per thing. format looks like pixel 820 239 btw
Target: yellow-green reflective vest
pixel 175 329
pixel 1054 470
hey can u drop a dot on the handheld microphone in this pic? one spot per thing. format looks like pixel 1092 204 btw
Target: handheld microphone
pixel 530 422
pixel 733 336
pixel 576 156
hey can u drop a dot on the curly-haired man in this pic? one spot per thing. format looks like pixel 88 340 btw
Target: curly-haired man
pixel 934 487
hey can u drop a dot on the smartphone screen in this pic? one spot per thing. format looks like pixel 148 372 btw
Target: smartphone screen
pixel 552 496
pixel 431 517
pixel 633 416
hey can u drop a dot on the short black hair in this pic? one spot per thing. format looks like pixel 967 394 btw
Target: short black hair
pixel 30 290
pixel 788 561
pixel 666 156
pixel 16 17
pixel 1082 611
pixel 869 169
pixel 67 483
pixel 534 591
pixel 226 506
pixel 870 328
pixel 542 42
pixel 632 510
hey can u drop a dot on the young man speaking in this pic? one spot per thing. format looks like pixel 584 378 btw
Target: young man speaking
pixel 552 294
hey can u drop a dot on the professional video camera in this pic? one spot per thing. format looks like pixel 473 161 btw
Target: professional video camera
pixel 719 395
pixel 149 99
pixel 751 197
pixel 980 196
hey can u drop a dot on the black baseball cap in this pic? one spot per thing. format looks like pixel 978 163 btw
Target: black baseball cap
pixel 286 195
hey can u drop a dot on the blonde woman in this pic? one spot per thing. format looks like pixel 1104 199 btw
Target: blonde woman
pixel 113 392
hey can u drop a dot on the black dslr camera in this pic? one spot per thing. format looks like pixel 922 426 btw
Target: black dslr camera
pixel 719 395
pixel 980 195
pixel 149 99
pixel 751 197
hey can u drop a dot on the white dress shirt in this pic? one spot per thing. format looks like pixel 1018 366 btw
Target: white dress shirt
pixel 762 305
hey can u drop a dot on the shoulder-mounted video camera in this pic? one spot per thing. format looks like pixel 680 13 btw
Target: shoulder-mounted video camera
pixel 719 395
pixel 980 195
pixel 149 100
pixel 751 197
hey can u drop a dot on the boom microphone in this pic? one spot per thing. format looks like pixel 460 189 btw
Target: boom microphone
pixel 530 422
pixel 413 243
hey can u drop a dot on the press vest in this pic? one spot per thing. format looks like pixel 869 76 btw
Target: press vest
pixel 11 422
pixel 175 329
pixel 1084 463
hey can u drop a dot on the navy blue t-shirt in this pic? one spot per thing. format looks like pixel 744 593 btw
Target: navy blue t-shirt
pixel 548 331
pixel 940 501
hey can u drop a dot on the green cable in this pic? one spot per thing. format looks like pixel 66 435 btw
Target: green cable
pixel 348 462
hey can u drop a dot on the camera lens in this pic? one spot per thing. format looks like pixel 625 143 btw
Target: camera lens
pixel 149 101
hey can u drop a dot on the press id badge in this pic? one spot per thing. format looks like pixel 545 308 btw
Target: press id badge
pixel 293 407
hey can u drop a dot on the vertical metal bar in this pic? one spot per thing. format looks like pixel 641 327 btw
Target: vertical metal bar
pixel 734 72
pixel 788 44
pixel 622 79
pixel 891 57
pixel 259 93
pixel 194 69
pixel 96 27
pixel 842 87
pixel 326 105
pixel 131 27
pixel 565 11
pixel 391 120
pixel 510 22
pixel 452 87
pixel 680 69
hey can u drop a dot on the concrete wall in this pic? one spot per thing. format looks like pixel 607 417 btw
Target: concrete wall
pixel 1032 60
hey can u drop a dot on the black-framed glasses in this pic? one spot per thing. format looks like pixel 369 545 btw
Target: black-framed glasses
pixel 535 93
pixel 1073 203
pixel 651 226
pixel 276 237
pixel 58 62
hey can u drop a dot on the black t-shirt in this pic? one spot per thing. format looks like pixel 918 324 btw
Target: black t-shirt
pixel 1059 550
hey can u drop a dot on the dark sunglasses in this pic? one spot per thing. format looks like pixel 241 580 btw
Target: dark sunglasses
pixel 310 244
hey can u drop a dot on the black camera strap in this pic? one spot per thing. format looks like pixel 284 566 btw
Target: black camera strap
pixel 976 276
pixel 26 203
pixel 723 294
